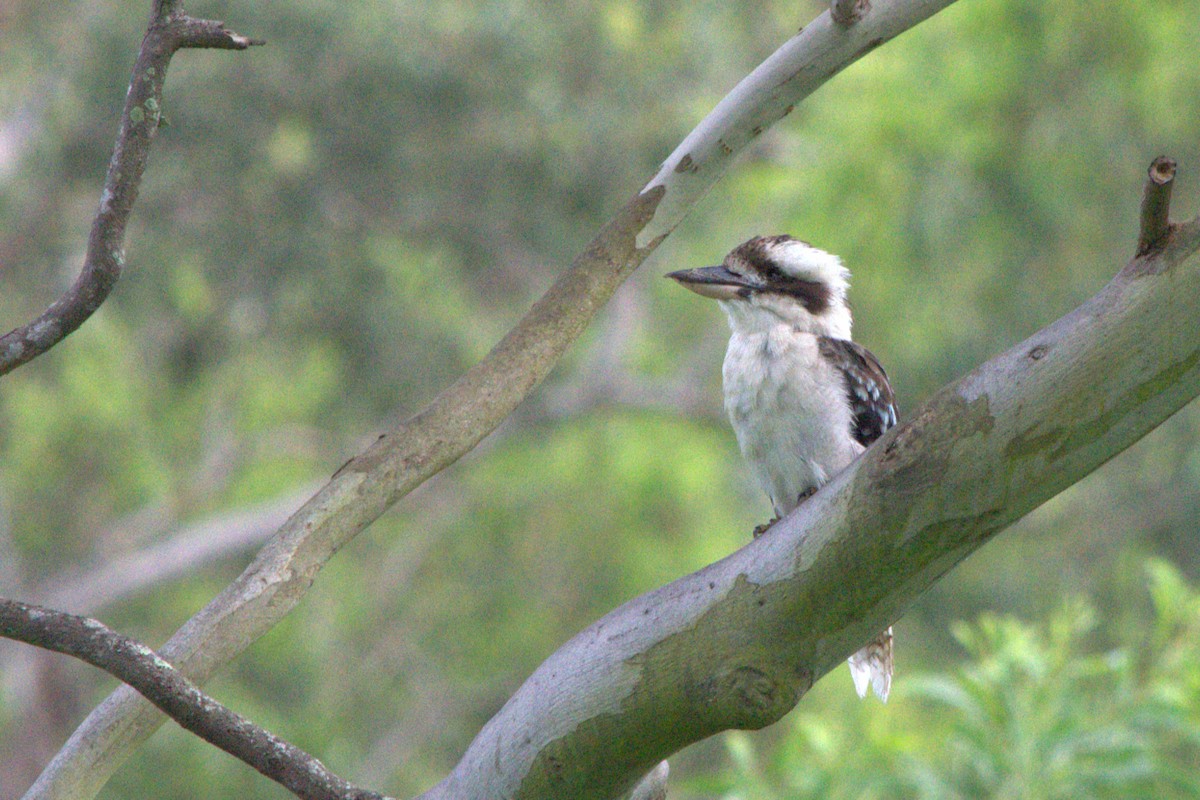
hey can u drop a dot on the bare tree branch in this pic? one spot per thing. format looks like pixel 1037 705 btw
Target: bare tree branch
pixel 137 665
pixel 1156 205
pixel 180 552
pixel 473 406
pixel 735 645
pixel 170 30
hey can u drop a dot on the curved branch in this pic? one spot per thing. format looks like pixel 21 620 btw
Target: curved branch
pixel 463 414
pixel 137 665
pixel 737 644
pixel 169 31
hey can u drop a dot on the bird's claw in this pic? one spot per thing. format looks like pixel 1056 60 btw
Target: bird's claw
pixel 759 530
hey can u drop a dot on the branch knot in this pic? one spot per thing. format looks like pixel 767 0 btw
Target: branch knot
pixel 848 12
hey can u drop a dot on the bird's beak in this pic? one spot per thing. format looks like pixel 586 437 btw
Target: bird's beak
pixel 715 282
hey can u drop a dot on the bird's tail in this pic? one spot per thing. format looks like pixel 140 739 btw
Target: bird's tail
pixel 873 665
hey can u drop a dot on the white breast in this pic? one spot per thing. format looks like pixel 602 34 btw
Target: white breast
pixel 789 410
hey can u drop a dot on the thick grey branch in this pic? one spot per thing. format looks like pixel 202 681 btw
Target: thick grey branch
pixel 169 30
pixel 160 683
pixel 736 644
pixel 473 406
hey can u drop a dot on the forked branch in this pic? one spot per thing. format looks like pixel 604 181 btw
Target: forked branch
pixel 170 30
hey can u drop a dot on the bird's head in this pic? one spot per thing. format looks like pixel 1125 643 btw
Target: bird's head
pixel 771 280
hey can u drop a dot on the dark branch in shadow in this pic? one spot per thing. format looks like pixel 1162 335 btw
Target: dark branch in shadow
pixel 1156 205
pixel 169 30
pixel 137 665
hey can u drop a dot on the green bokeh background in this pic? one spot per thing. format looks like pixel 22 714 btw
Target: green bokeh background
pixel 336 225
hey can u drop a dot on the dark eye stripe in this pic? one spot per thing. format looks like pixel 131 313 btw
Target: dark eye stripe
pixel 814 296
pixel 763 265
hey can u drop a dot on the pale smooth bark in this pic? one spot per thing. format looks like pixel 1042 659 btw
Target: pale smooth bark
pixel 473 406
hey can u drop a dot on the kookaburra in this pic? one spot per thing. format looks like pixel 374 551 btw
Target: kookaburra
pixel 803 398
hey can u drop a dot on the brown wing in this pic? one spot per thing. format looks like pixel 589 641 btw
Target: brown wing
pixel 871 399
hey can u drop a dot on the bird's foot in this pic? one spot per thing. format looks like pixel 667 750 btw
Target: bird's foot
pixel 759 530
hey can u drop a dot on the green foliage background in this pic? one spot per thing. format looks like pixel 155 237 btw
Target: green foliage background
pixel 336 225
